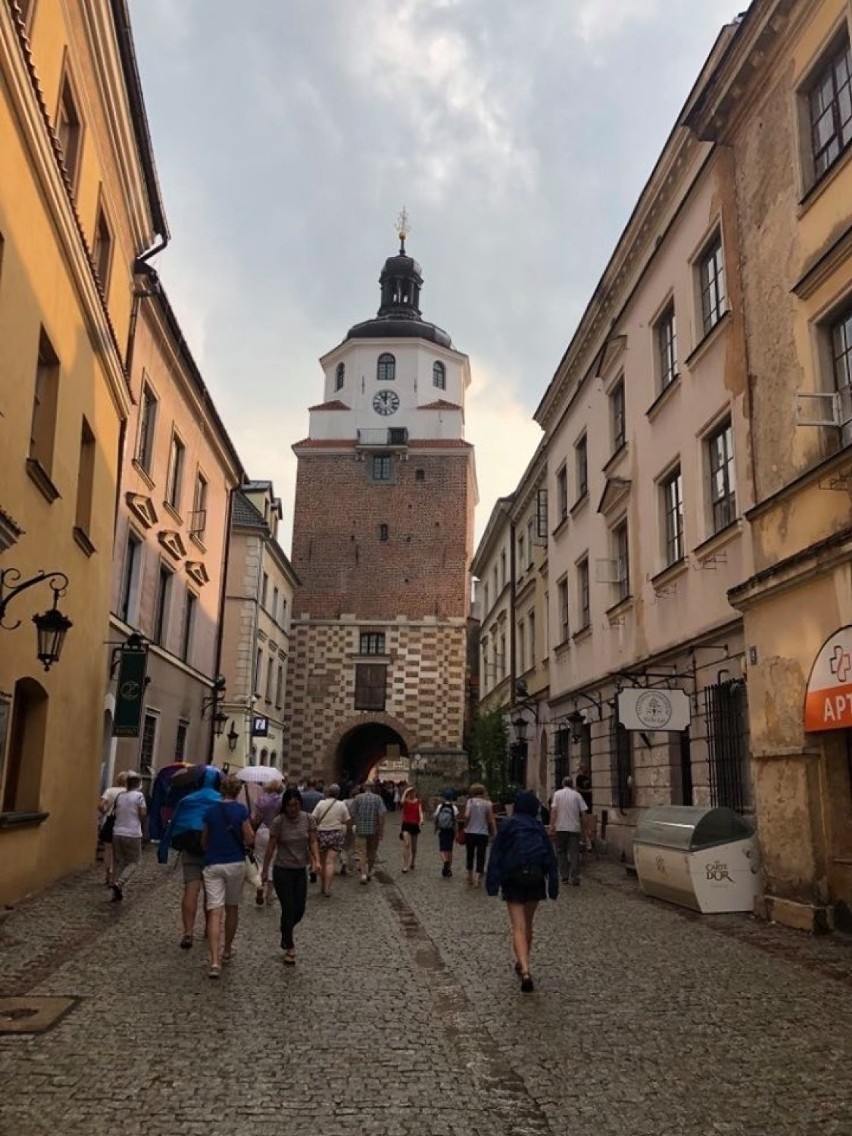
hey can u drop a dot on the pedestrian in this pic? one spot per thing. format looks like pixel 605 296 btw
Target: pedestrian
pixel 523 867
pixel 583 785
pixel 266 809
pixel 311 795
pixel 368 813
pixel 105 833
pixel 185 832
pixel 412 822
pixel 333 822
pixel 226 837
pixel 347 856
pixel 445 818
pixel 130 813
pixel 479 826
pixel 291 850
pixel 566 809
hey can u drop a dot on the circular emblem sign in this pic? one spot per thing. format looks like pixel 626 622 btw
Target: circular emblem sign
pixel 130 690
pixel 654 710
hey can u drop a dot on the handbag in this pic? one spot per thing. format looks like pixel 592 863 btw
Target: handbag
pixel 108 824
pixel 461 836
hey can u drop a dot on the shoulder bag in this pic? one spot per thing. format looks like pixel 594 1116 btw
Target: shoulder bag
pixel 108 825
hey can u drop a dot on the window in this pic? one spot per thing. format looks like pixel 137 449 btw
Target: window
pixel 672 493
pixel 279 687
pixel 180 739
pixel 521 560
pixel 161 612
pixel 485 598
pixel 27 732
pixel 274 611
pixel 830 107
pixel 381 467
pixel 188 626
pixel 562 492
pixel 496 583
pixel 420 475
pixel 711 275
pixel 530 542
pixel 175 477
pixel 581 462
pixel 726 714
pixel 372 643
pixel 147 421
pixel 264 588
pixel 85 480
pixel 386 368
pixel 439 376
pixel 130 578
pixel 198 520
pixel 666 347
pixel 340 376
pixel 102 248
pixel 370 686
pixel 841 357
pixel 503 659
pixel 531 636
pixel 69 130
pixel 45 401
pixel 720 459
pixel 622 765
pixel 562 599
pixel 583 603
pixel 258 671
pixel 621 548
pixel 270 671
pixel 148 745
pixel 616 416
pixel 384 532
pixel 521 661
pixel 502 567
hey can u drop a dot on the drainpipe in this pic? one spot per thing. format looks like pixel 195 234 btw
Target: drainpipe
pixel 221 612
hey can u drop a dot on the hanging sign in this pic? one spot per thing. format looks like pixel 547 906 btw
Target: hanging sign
pixel 640 708
pixel 828 701
pixel 130 691
pixel 259 727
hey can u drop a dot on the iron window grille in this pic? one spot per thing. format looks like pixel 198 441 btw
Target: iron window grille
pixel 667 347
pixel 180 740
pixel 372 643
pixel 830 106
pixel 712 276
pixel 726 710
pixel 370 686
pixel 386 368
pixel 617 416
pixel 622 766
pixel 723 502
pixel 672 490
pixel 562 741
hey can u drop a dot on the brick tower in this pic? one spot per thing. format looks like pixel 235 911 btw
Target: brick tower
pixel 382 542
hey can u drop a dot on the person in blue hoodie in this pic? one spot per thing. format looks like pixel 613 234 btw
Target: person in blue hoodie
pixel 184 833
pixel 523 867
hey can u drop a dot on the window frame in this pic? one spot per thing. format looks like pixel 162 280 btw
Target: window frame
pixel 621 548
pixel 131 572
pixel 564 609
pixel 386 368
pixel 174 477
pixel 617 415
pixel 144 456
pixel 562 492
pixel 198 516
pixel 672 530
pixel 370 687
pixel 712 284
pixel 45 411
pixel 381 468
pixel 339 376
pixel 839 50
pixel 665 344
pixel 584 595
pixel 439 375
pixel 102 246
pixel 162 604
pixel 190 614
pixel 722 509
pixel 841 384
pixel 68 95
pixel 371 643
pixel 581 465
pixel 84 503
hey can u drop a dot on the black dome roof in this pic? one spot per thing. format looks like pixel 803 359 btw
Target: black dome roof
pixel 399 312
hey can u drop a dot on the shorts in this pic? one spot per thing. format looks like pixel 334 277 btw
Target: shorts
pixel 331 841
pixel 446 839
pixel 532 892
pixel 223 884
pixel 192 867
pixel 411 829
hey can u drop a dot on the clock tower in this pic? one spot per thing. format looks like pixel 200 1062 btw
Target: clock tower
pixel 382 542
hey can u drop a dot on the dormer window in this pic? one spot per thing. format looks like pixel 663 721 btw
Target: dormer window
pixel 386 368
pixel 439 376
pixel 339 376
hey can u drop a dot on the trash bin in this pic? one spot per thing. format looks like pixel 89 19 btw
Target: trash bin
pixel 703 858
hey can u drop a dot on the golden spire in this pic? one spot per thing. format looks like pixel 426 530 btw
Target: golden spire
pixel 403 228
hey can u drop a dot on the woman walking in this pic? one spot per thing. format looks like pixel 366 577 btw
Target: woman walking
pixel 224 839
pixel 105 810
pixel 412 821
pixel 293 848
pixel 266 809
pixel 333 820
pixel 445 819
pixel 523 866
pixel 130 811
pixel 479 825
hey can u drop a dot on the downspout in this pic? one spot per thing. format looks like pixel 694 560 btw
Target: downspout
pixel 223 578
pixel 512 569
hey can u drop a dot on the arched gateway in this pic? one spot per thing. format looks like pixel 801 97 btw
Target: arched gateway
pixel 366 746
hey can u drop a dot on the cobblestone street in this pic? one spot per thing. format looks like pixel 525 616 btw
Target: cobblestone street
pixel 403 1016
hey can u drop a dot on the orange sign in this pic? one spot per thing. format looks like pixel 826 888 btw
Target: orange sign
pixel 828 702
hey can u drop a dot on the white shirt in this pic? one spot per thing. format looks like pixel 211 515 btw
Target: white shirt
pixel 565 810
pixel 331 815
pixel 128 813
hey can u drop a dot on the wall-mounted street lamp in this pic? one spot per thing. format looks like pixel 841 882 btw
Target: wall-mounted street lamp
pixel 51 625
pixel 213 703
pixel 233 737
pixel 579 719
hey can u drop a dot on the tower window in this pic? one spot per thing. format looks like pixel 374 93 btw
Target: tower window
pixel 340 376
pixel 381 467
pixel 383 532
pixel 439 376
pixel 420 475
pixel 371 643
pixel 386 367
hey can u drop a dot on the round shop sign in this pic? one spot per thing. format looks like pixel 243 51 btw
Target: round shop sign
pixel 828 701
pixel 654 709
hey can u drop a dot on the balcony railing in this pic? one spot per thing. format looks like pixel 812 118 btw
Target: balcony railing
pixel 380 437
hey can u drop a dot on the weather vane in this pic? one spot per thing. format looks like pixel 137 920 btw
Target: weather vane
pixel 403 228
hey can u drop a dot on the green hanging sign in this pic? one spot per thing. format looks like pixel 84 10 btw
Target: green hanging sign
pixel 130 691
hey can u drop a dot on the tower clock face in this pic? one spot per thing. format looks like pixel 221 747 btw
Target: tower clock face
pixel 385 402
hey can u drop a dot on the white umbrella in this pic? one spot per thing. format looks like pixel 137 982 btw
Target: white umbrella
pixel 259 774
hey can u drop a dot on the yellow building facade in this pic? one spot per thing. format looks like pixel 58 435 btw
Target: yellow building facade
pixel 781 103
pixel 79 204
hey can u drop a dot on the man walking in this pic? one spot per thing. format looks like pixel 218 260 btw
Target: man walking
pixel 130 813
pixel 566 809
pixel 368 812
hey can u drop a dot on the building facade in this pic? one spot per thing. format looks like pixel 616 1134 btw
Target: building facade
pixel 177 475
pixel 256 635
pixel 382 538
pixel 79 204
pixel 781 104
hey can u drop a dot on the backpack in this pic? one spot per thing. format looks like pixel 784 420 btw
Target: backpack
pixel 188 840
pixel 446 817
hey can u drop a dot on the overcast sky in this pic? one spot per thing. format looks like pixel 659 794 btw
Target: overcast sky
pixel 289 133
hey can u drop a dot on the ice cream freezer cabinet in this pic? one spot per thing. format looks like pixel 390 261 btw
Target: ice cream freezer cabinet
pixel 703 858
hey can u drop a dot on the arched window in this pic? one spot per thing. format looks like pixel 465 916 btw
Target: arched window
pixel 386 368
pixel 22 793
pixel 439 375
pixel 383 532
pixel 340 376
pixel 273 758
pixel 263 756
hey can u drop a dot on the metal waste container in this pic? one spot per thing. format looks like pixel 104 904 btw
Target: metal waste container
pixel 703 858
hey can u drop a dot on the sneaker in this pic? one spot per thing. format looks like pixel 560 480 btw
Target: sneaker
pixel 260 897
pixel 117 894
pixel 365 879
pixel 527 984
pixel 214 972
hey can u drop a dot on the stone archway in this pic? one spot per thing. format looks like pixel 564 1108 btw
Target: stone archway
pixel 363 744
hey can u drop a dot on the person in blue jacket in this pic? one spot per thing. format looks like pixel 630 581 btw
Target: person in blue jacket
pixel 184 833
pixel 523 867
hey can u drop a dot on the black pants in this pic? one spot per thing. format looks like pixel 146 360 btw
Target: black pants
pixel 475 847
pixel 291 887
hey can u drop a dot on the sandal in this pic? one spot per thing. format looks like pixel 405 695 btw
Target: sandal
pixel 214 972
pixel 527 985
pixel 289 958
pixel 228 954
pixel 186 942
